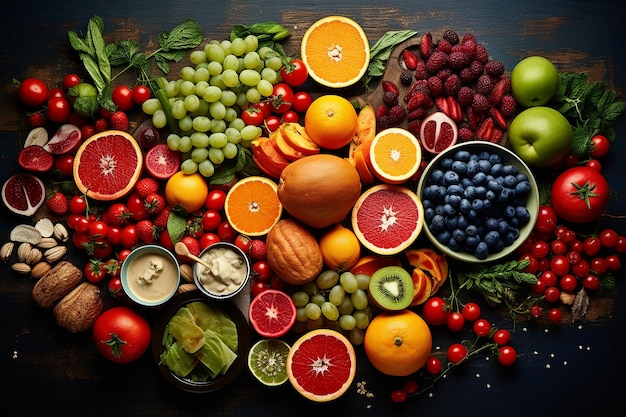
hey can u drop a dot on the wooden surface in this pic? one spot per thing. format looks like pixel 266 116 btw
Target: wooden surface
pixel 570 370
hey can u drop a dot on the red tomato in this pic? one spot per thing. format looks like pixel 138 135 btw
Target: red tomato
pixel 482 327
pixel 434 311
pixel 282 97
pixel 243 242
pixel 258 287
pixel 502 337
pixel 580 195
pixel 215 200
pixel 456 353
pixel 294 73
pixel 433 365
pixel 129 236
pixel 252 115
pixel 471 311
pixel 115 288
pixel 137 207
pixel 507 356
pixel 71 80
pixel 568 282
pixel 211 219
pixel 207 239
pixel 114 234
pixel 226 232
pixel 262 271
pixel 59 109
pixel 102 248
pixel 65 164
pixel 123 97
pixel 56 92
pixel 140 94
pixel 301 101
pixel 455 321
pixel 33 92
pixel 94 271
pixel 290 116
pixel 600 146
pixel 272 123
pixel 121 334
pixel 98 230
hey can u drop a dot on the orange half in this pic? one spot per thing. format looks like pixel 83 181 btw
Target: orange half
pixel 252 206
pixel 335 51
pixel 395 155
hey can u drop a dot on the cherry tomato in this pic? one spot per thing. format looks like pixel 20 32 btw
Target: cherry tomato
pixel 102 249
pixel 262 271
pixel 137 207
pixel 559 264
pixel 539 287
pixel 98 230
pixel 613 262
pixel 243 242
pixel 290 116
pixel 211 219
pixel 114 234
pixel 507 355
pixel 591 282
pixel 207 239
pixel 608 238
pixel 282 97
pixel 398 396
pixel 600 146
pixel 552 294
pixel 434 311
pixel 140 94
pixel 592 245
pixel 502 337
pixel 540 249
pixel 71 80
pixel 549 278
pixel 258 287
pixel 456 353
pixel 455 321
pixel 482 327
pixel 568 282
pixel 129 236
pixel 115 288
pixel 123 97
pixel 56 92
pixel 215 200
pixel 620 246
pixel 471 311
pixel 598 265
pixel 581 268
pixel 65 164
pixel 226 232
pixel 558 247
pixel 252 115
pixel 533 265
pixel 277 283
pixel 433 365
pixel 272 123
pixel 554 315
pixel 59 109
pixel 123 254
pixel 94 271
pixel 33 92
pixel 410 386
pixel 546 219
pixel 294 73
pixel 82 224
pixel 594 164
pixel 301 101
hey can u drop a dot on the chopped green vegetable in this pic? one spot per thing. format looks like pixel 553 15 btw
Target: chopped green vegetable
pixel 381 51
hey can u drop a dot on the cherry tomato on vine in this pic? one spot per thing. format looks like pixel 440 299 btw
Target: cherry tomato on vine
pixel 600 146
pixel 102 248
pixel 33 92
pixel 455 321
pixel 546 219
pixel 140 94
pixel 215 200
pixel 456 353
pixel 594 164
pixel 272 123
pixel 294 73
pixel 129 236
pixel 282 98
pixel 301 101
pixel 94 271
pixel 262 270
pixel 482 327
pixel 434 311
pixel 433 365
pixel 71 80
pixel 123 97
pixel 398 396
pixel 252 115
pixel 471 311
pixel 115 288
pixel 507 356
pixel 98 230
pixel 502 337
pixel 59 109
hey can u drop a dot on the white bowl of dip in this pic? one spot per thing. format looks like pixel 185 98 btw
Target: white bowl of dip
pixel 229 272
pixel 150 275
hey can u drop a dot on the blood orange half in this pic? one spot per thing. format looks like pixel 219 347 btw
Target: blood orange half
pixel 162 162
pixel 438 132
pixel 321 365
pixel 107 165
pixel 387 218
pixel 272 313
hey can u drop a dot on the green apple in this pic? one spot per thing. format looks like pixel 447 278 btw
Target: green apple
pixel 540 136
pixel 534 80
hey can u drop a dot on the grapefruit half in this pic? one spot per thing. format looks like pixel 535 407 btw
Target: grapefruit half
pixel 321 365
pixel 272 313
pixel 387 218
pixel 107 165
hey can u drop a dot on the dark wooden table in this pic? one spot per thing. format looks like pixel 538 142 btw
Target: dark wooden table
pixel 570 370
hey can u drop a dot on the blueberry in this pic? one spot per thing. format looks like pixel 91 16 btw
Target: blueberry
pixel 455 245
pixel 503 196
pixel 480 178
pixel 472 215
pixel 437 222
pixel 521 177
pixel 494 186
pixel 466 182
pixel 472 168
pixel 490 196
pixel 522 214
pixel 449 210
pixel 494 158
pixel 510 169
pixel 469 192
pixel 484 165
pixel 484 155
pixel 462 221
pixel 439 209
pixel 522 187
pixel 510 181
pixel 450 177
pixel 429 213
pixel 481 251
pixel 458 235
pixel 471 242
pixel 451 222
pixel 481 192
pixel 462 156
pixel 446 163
pixel 496 169
pixel 459 167
pixel 465 206
pixel 443 236
pixel 491 238
pixel 509 212
pixel 454 200
pixel 436 176
pixel 503 226
pixel 455 189
pixel 487 204
pixel 471 230
pixel 477 205
pixel 492 223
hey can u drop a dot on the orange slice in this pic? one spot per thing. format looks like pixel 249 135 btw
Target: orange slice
pixel 395 155
pixel 335 51
pixel 252 206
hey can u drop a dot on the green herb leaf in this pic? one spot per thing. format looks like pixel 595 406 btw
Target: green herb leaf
pixel 185 36
pixel 176 225
pixel 381 51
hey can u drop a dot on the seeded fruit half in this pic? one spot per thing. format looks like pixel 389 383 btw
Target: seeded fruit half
pixel 391 288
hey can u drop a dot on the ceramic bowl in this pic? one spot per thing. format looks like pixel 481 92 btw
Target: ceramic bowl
pixel 150 275
pixel 462 252
pixel 229 274
pixel 243 336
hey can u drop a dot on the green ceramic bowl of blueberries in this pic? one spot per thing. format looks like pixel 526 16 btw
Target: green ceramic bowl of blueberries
pixel 480 201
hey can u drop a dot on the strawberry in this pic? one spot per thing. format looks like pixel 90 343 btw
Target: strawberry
pixel 419 99
pixel 454 109
pixel 498 117
pixel 160 220
pixel 381 110
pixel 37 120
pixel 87 131
pixel 426 45
pixel 119 121
pixel 101 124
pixel 258 250
pixel 155 203
pixel 502 87
pixel 390 86
pixel 146 232
pixel 193 245
pixel 485 130
pixel 419 85
pixel 410 59
pixel 146 186
pixel 58 204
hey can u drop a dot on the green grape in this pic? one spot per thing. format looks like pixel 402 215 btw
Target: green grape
pixel 265 88
pixel 313 311
pixel 232 135
pixel 199 154
pixel 199 139
pixel 356 336
pixel 362 319
pixel 201 124
pixel 230 150
pixel 249 77
pixel 202 109
pixel 348 281
pixel 216 80
pixel 310 288
pixel 346 306
pixel 240 66
pixel 214 68
pixel 242 100
pixel 253 95
pixel 359 299
pixel 216 155
pixel 228 98
pixel 318 298
pixel 218 125
pixel 188 166
pixel 206 168
pixel 197 57
pixel 201 87
pixel 231 114
pixel 230 63
pixel 274 63
pixel 329 310
pixel 185 144
pixel 259 66
pixel 217 110
pixel 270 75
pixel 300 298
pixel 363 280
pixel 250 132
pixel 265 52
pixel 187 88
pixel 192 103
pixel 187 73
pixel 337 294
pixel 178 109
pixel 301 315
pixel 172 141
pixel 186 123
pixel 327 279
pixel 230 78
pixel 150 106
pixel 212 94
pixel 252 43
pixel 251 60
pixel 347 322
pixel 172 88
pixel 238 46
pixel 226 44
pixel 238 124
pixel 159 119
pixel 202 74
pixel 217 140
pixel 214 52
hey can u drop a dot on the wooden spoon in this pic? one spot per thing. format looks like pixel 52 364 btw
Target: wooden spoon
pixel 183 250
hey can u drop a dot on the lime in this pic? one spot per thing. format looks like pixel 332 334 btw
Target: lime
pixel 267 361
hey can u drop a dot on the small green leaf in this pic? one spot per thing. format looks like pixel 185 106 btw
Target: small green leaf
pixel 176 225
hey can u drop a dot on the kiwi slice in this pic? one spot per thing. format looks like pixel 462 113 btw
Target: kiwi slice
pixel 267 360
pixel 391 288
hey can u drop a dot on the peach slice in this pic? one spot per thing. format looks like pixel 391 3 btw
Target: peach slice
pixel 357 158
pixel 296 136
pixel 267 158
pixel 430 261
pixel 366 130
pixel 284 147
pixel 422 286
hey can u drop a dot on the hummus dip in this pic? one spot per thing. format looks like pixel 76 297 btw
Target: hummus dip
pixel 152 276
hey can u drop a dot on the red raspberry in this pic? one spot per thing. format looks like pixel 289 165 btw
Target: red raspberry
pixel 467 76
pixel 418 114
pixel 396 114
pixel 390 98
pixel 484 85
pixel 465 96
pixel 381 110
pixel 480 103
pixel 414 126
pixel 451 85
pixel 536 311
pixel 382 122
pixel 469 47
pixel 465 134
pixel 458 60
pixel 421 73
pixel 477 68
pixel 444 73
pixel 444 46
pixel 451 36
pixel 481 54
pixel 508 105
pixel 494 68
pixel 437 61
pixel 435 86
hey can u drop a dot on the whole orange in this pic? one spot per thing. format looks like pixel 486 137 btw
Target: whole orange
pixel 331 121
pixel 188 191
pixel 340 247
pixel 398 343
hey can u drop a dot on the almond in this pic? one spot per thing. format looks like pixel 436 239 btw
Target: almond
pixel 21 268
pixel 54 254
pixel 40 269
